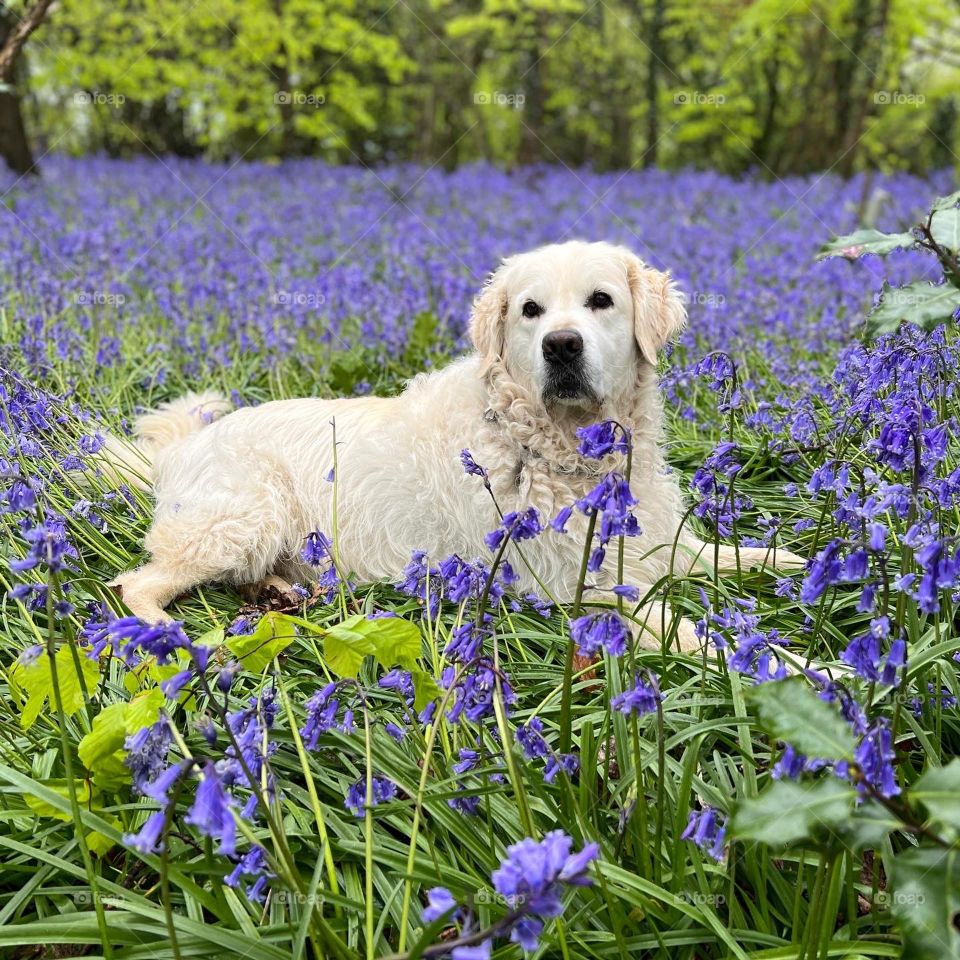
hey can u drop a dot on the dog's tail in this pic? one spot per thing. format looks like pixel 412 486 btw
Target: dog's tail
pixel 132 462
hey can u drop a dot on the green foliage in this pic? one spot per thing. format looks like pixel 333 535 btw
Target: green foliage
pixel 102 750
pixel 33 684
pixel 391 640
pixel 861 242
pixel 924 894
pixel 925 304
pixel 788 812
pixel 926 901
pixel 939 791
pixel 272 635
pixel 790 711
pixel 610 85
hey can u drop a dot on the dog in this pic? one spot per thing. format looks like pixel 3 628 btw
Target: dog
pixel 565 336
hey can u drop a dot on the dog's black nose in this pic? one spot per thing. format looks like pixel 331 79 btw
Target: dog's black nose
pixel 562 346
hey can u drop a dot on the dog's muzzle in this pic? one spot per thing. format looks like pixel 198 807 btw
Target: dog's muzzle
pixel 566 378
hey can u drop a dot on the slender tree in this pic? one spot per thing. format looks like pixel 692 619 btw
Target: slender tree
pixel 14 145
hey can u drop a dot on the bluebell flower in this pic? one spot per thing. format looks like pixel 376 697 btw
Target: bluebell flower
pixel 470 466
pixel 148 838
pixel 317 549
pixel 874 758
pixel 530 738
pixel 400 681
pixel 825 570
pixel 475 692
pixel 30 655
pixel 384 790
pixel 706 829
pixel 515 526
pixel 600 631
pixel 172 686
pixel 791 764
pixel 211 812
pixel 49 548
pixel 568 762
pixel 147 751
pixel 599 439
pixel 323 714
pixel 466 642
pixel 419 580
pixel 533 874
pixel 440 903
pixel 639 699
pixel 252 864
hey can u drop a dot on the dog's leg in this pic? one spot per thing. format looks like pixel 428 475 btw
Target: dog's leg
pixel 198 546
pixel 148 589
pixel 659 624
pixel 765 558
pixel 252 592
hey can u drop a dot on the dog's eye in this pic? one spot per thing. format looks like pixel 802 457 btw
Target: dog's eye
pixel 532 309
pixel 598 300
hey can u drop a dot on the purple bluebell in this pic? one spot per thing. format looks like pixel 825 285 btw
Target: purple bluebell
pixel 595 632
pixel 383 791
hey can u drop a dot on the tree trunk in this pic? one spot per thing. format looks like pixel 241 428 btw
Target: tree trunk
pixel 656 57
pixel 14 146
pixel 531 132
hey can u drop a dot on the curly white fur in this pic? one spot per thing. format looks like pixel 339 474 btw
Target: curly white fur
pixel 235 498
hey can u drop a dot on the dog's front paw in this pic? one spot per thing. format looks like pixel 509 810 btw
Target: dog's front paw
pixel 785 560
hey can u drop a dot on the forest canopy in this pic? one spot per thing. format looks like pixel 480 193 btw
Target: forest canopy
pixel 772 86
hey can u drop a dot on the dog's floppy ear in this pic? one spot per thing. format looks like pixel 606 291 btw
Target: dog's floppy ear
pixel 489 319
pixel 659 311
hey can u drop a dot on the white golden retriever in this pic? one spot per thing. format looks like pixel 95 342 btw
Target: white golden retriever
pixel 565 336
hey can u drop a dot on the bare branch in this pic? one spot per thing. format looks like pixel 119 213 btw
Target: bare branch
pixel 31 19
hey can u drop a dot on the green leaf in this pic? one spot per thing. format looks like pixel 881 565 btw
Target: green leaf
pixel 274 633
pixel 787 811
pixel 97 842
pixel 945 203
pixel 345 646
pixel 102 751
pixel 35 685
pixel 392 640
pixel 44 809
pixel 790 711
pixel 939 791
pixel 100 844
pixel 925 899
pixel 425 688
pixel 856 244
pixel 868 827
pixel 107 736
pixel 396 641
pixel 921 303
pixel 945 227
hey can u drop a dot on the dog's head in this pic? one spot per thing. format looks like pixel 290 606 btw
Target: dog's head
pixel 571 322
